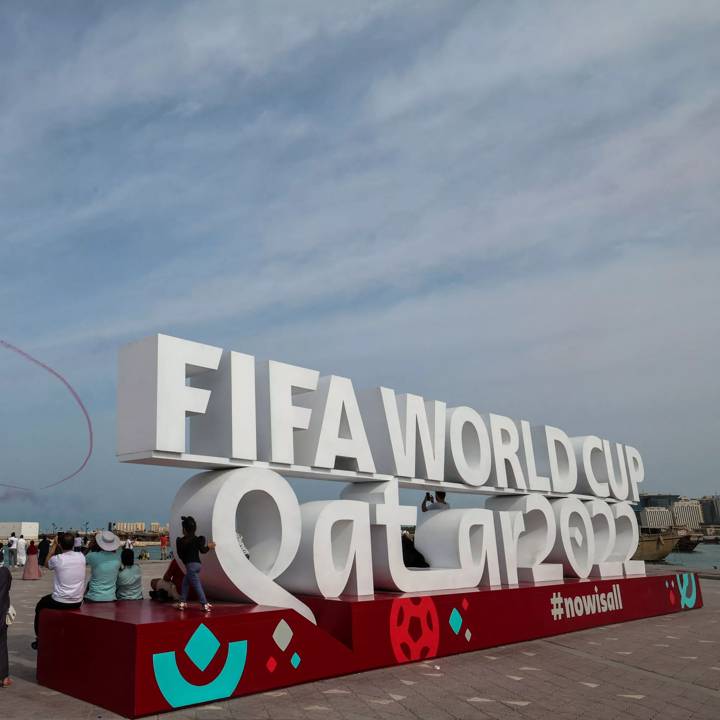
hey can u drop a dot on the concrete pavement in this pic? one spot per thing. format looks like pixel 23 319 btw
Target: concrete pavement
pixel 666 667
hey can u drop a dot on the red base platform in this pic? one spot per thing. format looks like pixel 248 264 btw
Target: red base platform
pixel 143 657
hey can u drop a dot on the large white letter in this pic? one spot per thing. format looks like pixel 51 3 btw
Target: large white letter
pixel 555 457
pixel 387 517
pixel 334 556
pixel 506 444
pixel 575 542
pixel 467 442
pixel 619 485
pixel 637 470
pixel 536 482
pixel 278 418
pixel 227 429
pixel 592 468
pixel 537 538
pixel 261 506
pixel 153 398
pixel 336 436
pixel 393 431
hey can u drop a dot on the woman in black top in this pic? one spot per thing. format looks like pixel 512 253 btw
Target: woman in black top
pixel 5 583
pixel 189 548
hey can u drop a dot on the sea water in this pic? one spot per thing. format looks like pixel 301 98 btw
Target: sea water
pixel 706 556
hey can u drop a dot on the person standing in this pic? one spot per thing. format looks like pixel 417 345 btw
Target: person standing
pixel 77 543
pixel 12 550
pixel 5 583
pixel 104 567
pixel 32 569
pixel 43 550
pixel 438 503
pixel 164 541
pixel 189 548
pixel 21 551
pixel 68 582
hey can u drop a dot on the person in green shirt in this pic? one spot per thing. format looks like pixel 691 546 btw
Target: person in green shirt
pixel 104 568
pixel 129 579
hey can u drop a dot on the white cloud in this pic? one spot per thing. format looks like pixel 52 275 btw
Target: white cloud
pixel 512 206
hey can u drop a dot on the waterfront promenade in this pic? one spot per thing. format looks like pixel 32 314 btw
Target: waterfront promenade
pixel 666 667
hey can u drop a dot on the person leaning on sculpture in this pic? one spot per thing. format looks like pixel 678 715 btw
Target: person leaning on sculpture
pixel 68 581
pixel 104 567
pixel 5 583
pixel 189 548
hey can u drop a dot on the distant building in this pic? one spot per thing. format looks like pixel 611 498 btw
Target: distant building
pixel 711 509
pixel 29 530
pixel 658 500
pixel 156 527
pixel 687 513
pixel 657 518
pixel 129 527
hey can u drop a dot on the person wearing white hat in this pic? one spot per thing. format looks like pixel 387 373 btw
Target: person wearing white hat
pixel 104 566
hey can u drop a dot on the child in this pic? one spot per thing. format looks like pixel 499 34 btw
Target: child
pixel 189 548
pixel 129 579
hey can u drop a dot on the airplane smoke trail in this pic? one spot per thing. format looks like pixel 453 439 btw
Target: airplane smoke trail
pixel 76 397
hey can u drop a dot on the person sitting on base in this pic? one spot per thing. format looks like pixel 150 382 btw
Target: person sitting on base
pixel 129 579
pixel 169 586
pixel 68 582
pixel 104 566
pixel 437 504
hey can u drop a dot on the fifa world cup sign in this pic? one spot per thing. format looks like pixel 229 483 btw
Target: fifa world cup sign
pixel 558 506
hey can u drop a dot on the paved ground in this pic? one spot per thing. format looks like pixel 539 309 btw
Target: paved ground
pixel 667 667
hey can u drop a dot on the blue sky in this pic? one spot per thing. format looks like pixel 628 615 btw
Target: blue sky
pixel 507 205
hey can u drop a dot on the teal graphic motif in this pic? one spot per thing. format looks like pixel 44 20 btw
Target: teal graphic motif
pixel 455 621
pixel 201 649
pixel 688 590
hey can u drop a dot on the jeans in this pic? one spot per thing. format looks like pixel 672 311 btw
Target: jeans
pixel 192 578
pixel 12 557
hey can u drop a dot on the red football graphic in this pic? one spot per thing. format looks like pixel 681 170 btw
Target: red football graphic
pixel 414 629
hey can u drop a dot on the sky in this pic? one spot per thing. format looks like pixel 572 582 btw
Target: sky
pixel 507 205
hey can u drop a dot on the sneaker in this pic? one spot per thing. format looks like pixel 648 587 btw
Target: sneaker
pixel 181 605
pixel 207 607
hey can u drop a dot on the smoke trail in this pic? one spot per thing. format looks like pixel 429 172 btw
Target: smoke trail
pixel 77 399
